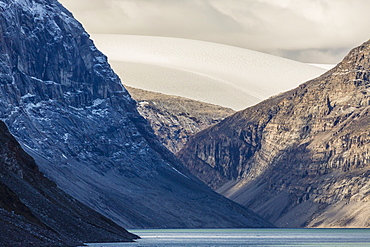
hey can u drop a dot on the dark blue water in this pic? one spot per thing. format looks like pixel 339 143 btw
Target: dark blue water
pixel 247 237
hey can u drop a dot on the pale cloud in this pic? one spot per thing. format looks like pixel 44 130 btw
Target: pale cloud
pixel 308 30
pixel 314 55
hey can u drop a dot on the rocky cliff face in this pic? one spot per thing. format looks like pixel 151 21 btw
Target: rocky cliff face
pixel 68 109
pixel 175 119
pixel 34 212
pixel 300 158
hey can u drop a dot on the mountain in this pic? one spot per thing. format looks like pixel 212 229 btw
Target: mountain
pixel 204 71
pixel 33 211
pixel 70 112
pixel 300 159
pixel 174 119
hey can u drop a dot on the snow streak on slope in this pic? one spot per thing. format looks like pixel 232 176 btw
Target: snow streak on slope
pixel 209 72
pixel 323 65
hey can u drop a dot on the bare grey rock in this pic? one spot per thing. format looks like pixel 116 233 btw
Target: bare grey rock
pixel 70 112
pixel 174 119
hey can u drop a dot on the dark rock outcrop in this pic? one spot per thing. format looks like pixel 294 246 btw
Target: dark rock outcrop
pixel 69 111
pixel 174 119
pixel 34 212
pixel 301 158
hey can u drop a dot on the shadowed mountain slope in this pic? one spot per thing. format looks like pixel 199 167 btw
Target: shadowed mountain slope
pixel 70 112
pixel 300 159
pixel 34 212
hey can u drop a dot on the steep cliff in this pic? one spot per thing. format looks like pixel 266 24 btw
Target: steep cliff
pixel 175 119
pixel 68 109
pixel 34 212
pixel 300 158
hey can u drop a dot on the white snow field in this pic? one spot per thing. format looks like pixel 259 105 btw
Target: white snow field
pixel 209 72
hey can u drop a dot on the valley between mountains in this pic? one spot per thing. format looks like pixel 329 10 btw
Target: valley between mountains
pixel 299 159
pixel 78 163
pixel 174 119
pixel 74 129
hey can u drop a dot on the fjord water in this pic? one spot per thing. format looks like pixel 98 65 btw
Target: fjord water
pixel 247 237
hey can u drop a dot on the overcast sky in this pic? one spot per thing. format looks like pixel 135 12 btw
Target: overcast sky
pixel 320 31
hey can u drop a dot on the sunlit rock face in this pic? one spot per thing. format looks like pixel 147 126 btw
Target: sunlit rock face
pixel 300 158
pixel 68 109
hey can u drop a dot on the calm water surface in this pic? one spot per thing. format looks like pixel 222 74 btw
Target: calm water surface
pixel 247 237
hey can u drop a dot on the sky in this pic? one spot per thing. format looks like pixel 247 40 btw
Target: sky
pixel 313 31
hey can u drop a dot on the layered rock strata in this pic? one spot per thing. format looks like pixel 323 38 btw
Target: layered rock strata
pixel 300 159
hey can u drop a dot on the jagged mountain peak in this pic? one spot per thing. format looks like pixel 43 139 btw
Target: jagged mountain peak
pixel 358 56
